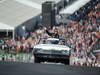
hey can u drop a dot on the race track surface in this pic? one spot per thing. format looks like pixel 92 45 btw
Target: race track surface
pixel 9 68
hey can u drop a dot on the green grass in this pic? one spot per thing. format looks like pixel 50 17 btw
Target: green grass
pixel 20 54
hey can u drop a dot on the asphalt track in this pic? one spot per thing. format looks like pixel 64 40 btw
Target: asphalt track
pixel 9 68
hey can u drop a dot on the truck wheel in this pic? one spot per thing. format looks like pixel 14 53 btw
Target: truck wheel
pixel 66 62
pixel 36 60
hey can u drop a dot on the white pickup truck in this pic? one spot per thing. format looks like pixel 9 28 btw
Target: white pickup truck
pixel 53 50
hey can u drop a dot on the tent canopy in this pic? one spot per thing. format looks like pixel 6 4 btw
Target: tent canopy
pixel 74 7
pixel 5 27
pixel 13 13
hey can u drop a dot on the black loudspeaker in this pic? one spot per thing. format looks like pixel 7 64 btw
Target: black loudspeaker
pixel 48 14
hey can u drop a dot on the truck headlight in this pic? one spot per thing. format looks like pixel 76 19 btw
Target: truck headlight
pixel 40 51
pixel 65 52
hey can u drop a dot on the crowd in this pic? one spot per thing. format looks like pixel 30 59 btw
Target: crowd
pixel 83 37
